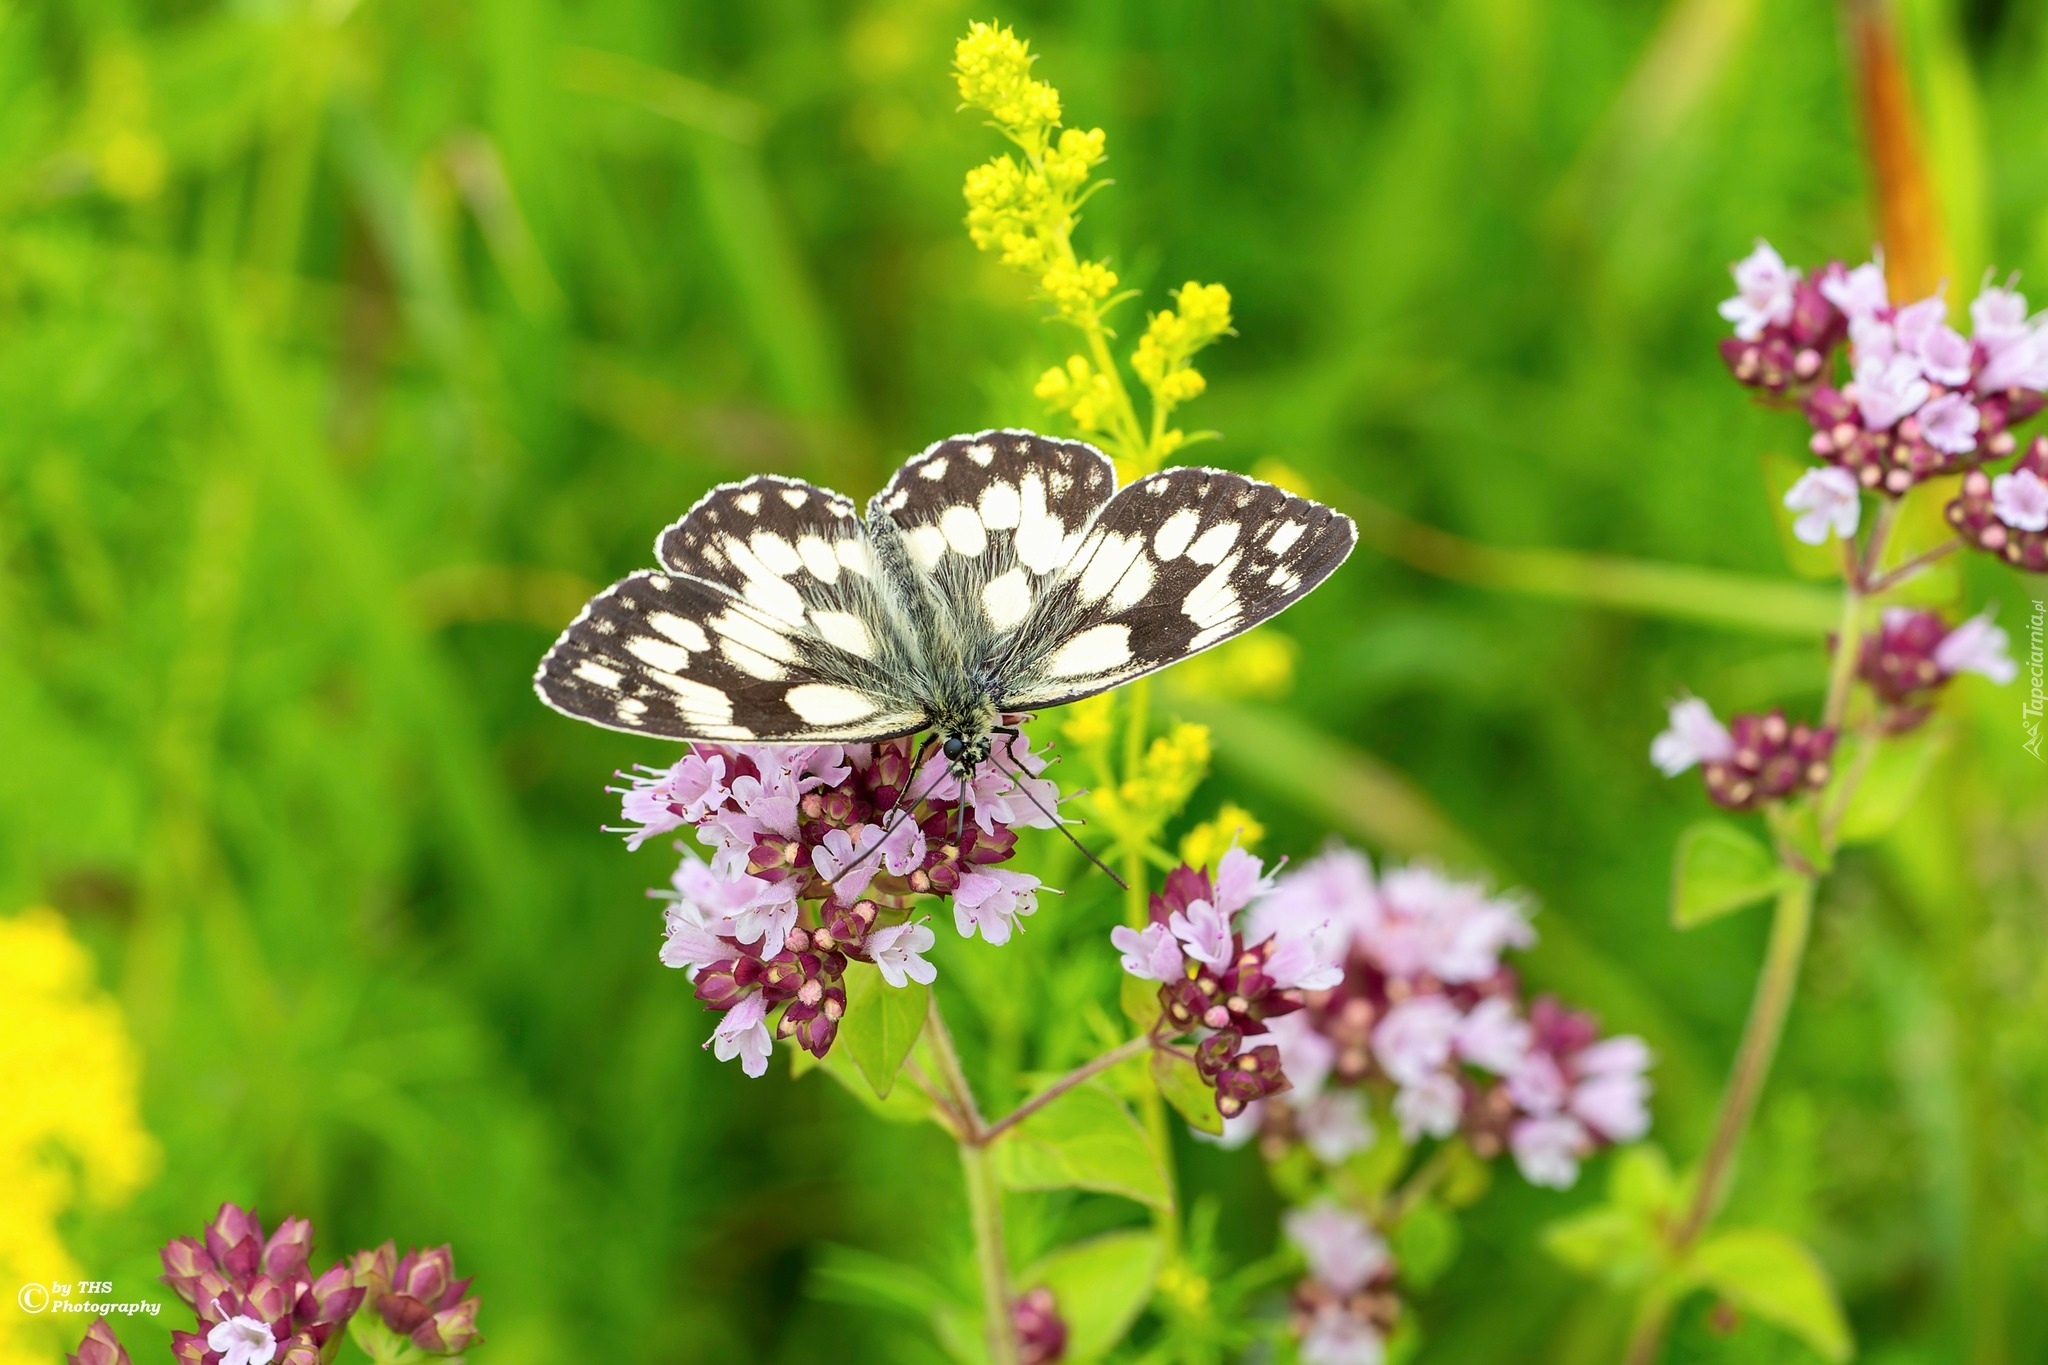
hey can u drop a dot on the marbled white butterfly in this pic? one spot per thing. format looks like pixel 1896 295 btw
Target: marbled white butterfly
pixel 997 573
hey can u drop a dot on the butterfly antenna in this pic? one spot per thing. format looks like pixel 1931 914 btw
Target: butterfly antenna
pixel 900 812
pixel 1058 824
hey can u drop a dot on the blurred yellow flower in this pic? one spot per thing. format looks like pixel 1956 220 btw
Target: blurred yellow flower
pixel 1283 475
pixel 69 1125
pixel 1087 723
pixel 1210 840
pixel 1172 768
pixel 127 158
pixel 1260 664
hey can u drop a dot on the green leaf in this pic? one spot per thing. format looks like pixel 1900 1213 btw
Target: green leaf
pixel 1889 783
pixel 1184 1089
pixel 1465 1176
pixel 1140 1001
pixel 1375 1169
pixel 848 1275
pixel 1777 1279
pixel 1425 1243
pixel 1606 1243
pixel 1088 1140
pixel 959 1332
pixel 881 1024
pixel 1101 1284
pixel 1718 870
pixel 1642 1181
pixel 904 1104
pixel 1808 561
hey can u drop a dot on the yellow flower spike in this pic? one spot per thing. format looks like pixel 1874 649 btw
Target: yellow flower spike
pixel 1203 845
pixel 1172 768
pixel 70 1125
pixel 1025 212
pixel 1055 387
pixel 1078 288
pixel 993 67
pixel 1204 311
pixel 1067 164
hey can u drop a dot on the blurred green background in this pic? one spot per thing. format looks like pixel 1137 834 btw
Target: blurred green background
pixel 345 346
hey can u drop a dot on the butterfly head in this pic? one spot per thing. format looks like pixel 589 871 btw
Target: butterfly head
pixel 965 753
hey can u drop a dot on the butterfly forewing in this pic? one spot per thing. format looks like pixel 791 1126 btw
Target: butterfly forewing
pixel 1177 562
pixel 988 521
pixel 773 622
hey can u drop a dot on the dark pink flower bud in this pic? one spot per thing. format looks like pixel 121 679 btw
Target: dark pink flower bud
pixel 718 985
pixel 1216 1053
pixel 188 1348
pixel 2002 514
pixel 371 1271
pixel 100 1347
pixel 1041 1331
pixel 265 1298
pixel 425 1275
pixel 1183 886
pixel 450 1330
pixel 333 1298
pixel 1773 759
pixel 284 1255
pixel 1254 1074
pixel 189 1270
pixel 300 1350
pixel 235 1241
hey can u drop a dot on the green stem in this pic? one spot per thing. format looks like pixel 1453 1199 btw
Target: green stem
pixel 1778 982
pixel 1138 696
pixel 1087 1070
pixel 984 1193
pixel 1848 647
pixel 1791 924
pixel 985 1208
pixel 1653 1316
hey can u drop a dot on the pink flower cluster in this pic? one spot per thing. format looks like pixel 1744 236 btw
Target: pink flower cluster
pixel 256 1296
pixel 258 1301
pixel 1915 652
pixel 1920 399
pixel 1224 980
pixel 1419 1012
pixel 814 852
pixel 2007 514
pixel 1346 1306
pixel 1759 758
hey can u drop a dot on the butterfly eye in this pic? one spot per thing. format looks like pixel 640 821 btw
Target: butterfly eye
pixel 953 747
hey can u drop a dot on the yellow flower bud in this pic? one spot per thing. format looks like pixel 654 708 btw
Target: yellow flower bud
pixel 1207 842
pixel 993 68
pixel 1204 312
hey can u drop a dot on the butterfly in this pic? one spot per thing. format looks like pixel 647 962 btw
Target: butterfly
pixel 996 573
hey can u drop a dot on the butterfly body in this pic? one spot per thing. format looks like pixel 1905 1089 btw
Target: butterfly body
pixel 996 573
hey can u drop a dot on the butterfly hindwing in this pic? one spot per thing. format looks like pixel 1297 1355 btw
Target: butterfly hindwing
pixel 642 658
pixel 991 518
pixel 1177 562
pixel 771 622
